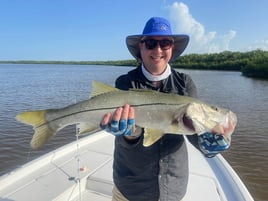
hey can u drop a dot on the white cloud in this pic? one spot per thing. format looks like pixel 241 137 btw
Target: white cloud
pixel 260 44
pixel 201 41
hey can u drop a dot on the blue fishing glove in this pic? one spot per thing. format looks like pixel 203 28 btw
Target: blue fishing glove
pixel 122 127
pixel 211 144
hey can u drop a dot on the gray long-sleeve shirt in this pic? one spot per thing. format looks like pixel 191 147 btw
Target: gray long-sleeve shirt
pixel 161 170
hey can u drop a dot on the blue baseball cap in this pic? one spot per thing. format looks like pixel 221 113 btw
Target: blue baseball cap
pixel 157 26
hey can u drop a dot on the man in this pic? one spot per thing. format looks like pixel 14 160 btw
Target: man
pixel 158 172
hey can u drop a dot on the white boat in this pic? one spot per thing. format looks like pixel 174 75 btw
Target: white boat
pixel 82 171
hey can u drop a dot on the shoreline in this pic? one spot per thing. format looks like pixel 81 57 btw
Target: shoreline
pixel 250 64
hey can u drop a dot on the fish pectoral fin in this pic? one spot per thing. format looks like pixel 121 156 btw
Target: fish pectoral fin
pixel 151 136
pixel 86 128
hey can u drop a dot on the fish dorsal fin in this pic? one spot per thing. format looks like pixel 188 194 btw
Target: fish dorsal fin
pixel 101 88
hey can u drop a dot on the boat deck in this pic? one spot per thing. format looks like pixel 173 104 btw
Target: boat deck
pixel 86 174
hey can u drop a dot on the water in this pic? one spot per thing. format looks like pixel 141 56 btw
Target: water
pixel 31 87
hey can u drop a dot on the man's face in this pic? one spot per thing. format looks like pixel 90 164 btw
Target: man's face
pixel 155 58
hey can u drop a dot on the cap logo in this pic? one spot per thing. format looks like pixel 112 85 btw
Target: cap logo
pixel 163 27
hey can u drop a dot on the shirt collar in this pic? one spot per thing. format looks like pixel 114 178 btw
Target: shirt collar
pixel 154 78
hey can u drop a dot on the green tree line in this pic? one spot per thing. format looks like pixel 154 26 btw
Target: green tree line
pixel 252 64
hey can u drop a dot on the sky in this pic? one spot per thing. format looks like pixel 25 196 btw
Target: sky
pixel 95 30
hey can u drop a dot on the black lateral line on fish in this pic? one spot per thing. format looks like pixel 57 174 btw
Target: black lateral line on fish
pixel 96 109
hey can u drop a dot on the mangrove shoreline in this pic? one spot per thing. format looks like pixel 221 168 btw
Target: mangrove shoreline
pixel 250 64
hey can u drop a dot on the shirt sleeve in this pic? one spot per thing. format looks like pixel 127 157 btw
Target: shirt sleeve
pixel 190 86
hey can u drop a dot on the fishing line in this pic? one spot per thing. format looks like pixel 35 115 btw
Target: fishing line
pixel 78 162
pixel 78 179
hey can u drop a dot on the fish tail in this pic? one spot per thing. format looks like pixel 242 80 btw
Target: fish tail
pixel 37 119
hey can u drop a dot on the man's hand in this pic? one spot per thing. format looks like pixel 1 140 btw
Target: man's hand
pixel 121 122
pixel 212 143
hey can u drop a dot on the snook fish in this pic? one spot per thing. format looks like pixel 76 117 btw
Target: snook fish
pixel 157 112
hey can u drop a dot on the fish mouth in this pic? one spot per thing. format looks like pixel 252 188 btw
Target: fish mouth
pixel 188 123
pixel 227 127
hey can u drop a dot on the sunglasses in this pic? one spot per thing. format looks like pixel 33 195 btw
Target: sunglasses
pixel 164 44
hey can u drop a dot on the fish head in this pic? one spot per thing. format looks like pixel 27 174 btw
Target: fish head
pixel 201 118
